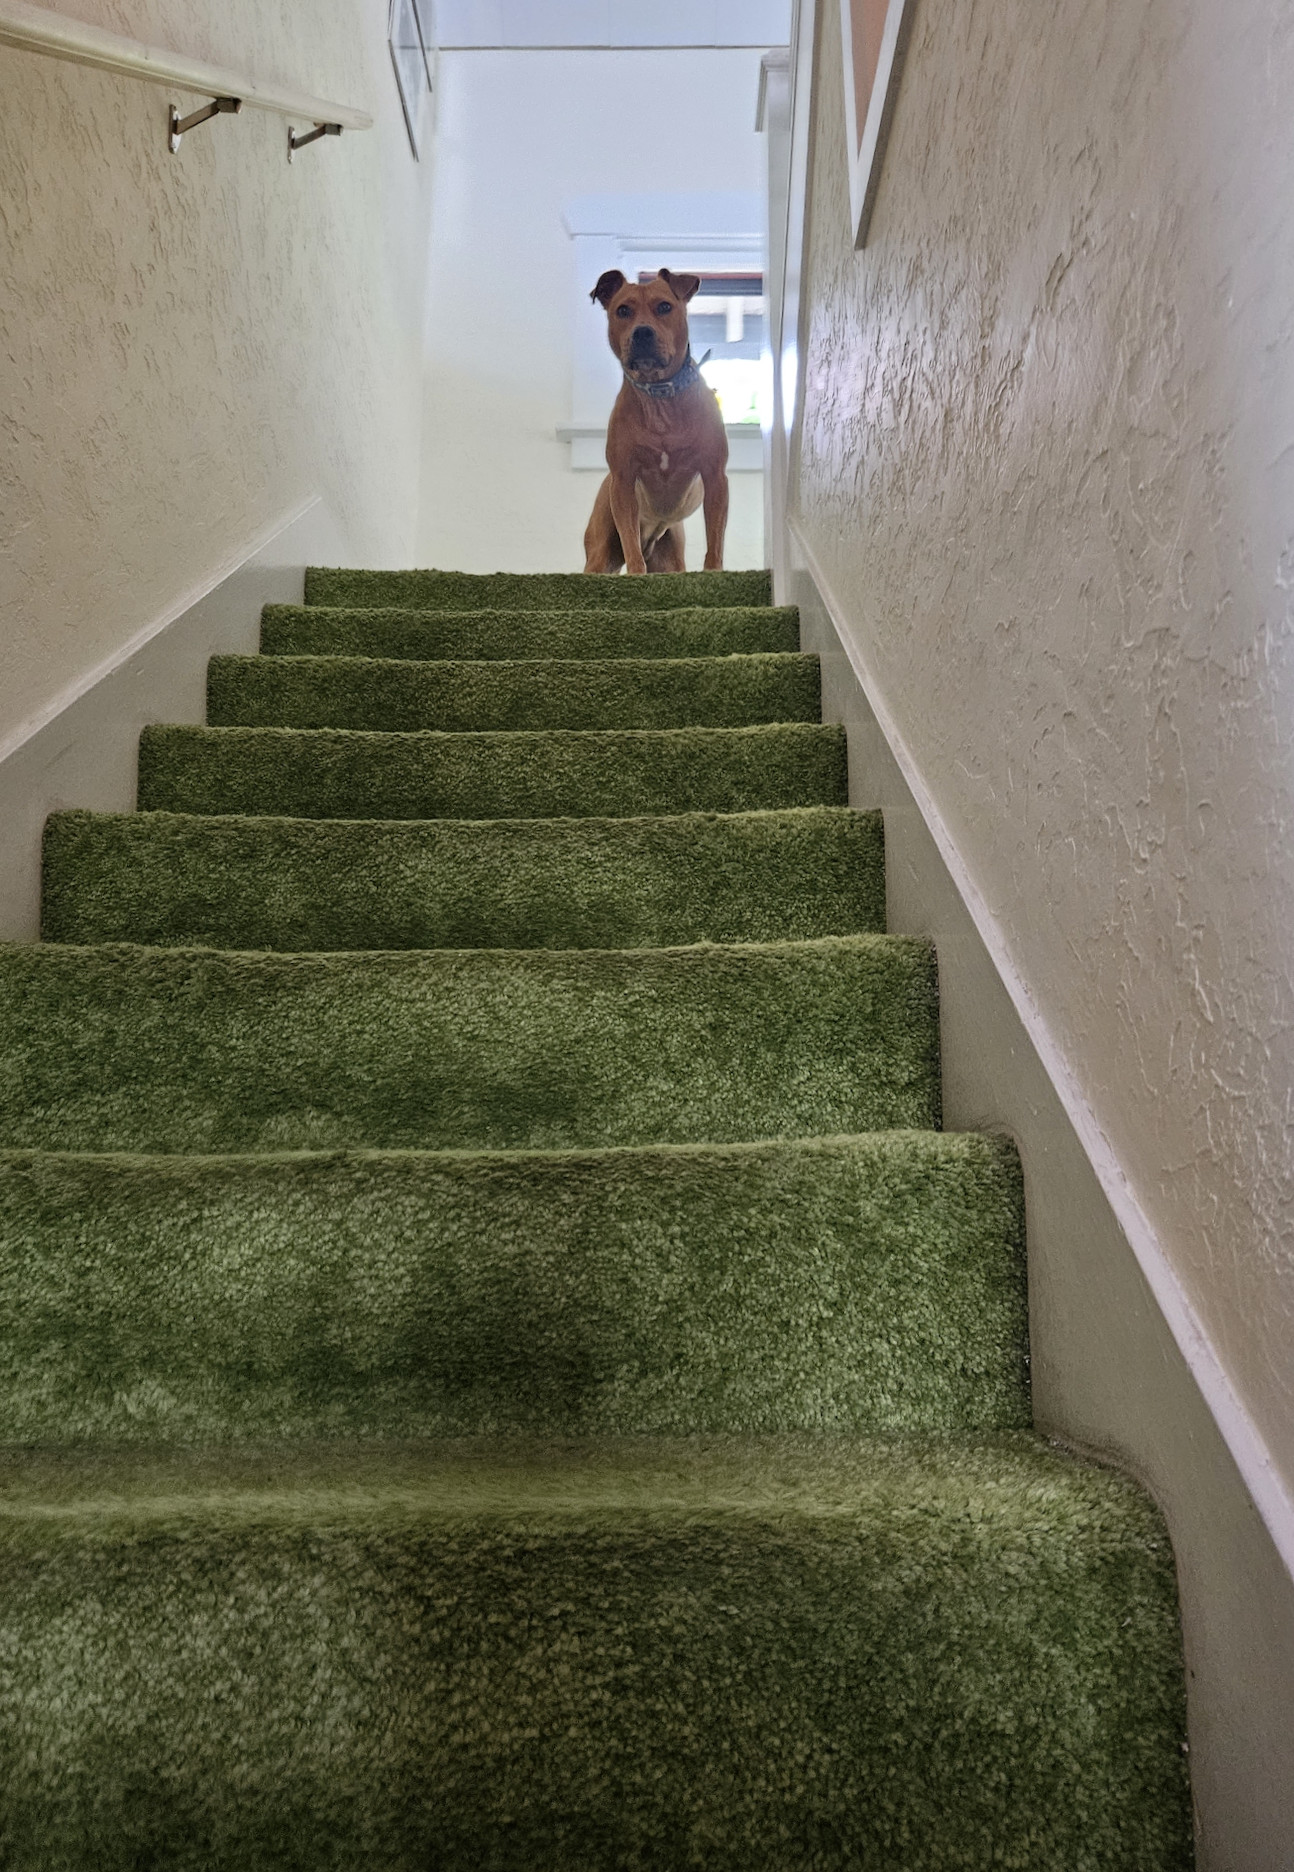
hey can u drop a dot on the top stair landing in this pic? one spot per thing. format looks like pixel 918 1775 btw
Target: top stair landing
pixel 533 591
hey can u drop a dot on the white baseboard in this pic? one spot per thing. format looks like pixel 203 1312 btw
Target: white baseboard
pixel 80 748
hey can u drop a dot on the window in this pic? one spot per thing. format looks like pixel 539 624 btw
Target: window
pixel 726 319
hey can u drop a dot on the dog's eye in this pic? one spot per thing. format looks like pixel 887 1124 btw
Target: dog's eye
pixel 663 308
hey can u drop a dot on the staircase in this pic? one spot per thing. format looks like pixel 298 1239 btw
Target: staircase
pixel 502 1368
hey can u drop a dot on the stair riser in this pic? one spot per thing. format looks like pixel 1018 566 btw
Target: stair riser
pixel 340 774
pixel 330 630
pixel 494 1695
pixel 369 884
pixel 182 1050
pixel 866 1285
pixel 360 692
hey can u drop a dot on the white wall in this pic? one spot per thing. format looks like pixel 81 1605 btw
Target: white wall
pixel 87 753
pixel 1046 477
pixel 612 22
pixel 520 133
pixel 193 345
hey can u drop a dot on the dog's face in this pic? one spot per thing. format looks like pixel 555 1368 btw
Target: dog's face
pixel 647 323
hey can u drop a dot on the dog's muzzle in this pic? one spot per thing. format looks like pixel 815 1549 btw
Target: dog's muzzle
pixel 644 353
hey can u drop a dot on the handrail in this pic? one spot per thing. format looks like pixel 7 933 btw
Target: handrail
pixel 38 29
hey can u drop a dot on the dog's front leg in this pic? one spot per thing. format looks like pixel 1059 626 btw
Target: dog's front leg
pixel 624 511
pixel 716 519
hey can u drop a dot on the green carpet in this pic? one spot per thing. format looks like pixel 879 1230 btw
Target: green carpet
pixel 628 692
pixel 435 1294
pixel 534 591
pixel 806 1652
pixel 266 883
pixel 502 1370
pixel 344 773
pixel 149 1049
pixel 328 630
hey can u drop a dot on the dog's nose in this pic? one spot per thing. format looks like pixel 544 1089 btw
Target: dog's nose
pixel 644 338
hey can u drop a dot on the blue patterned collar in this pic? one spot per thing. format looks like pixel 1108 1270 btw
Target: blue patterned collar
pixel 687 374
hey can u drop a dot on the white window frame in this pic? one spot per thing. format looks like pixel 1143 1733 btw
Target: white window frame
pixel 703 233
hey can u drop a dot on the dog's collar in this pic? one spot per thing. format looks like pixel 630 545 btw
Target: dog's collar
pixel 687 374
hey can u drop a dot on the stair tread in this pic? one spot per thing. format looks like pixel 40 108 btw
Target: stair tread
pixel 389 630
pixel 129 1047
pixel 539 591
pixel 423 774
pixel 862 1283
pixel 741 1654
pixel 249 882
pixel 538 693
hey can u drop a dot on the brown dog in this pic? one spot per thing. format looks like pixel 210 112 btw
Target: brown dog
pixel 667 448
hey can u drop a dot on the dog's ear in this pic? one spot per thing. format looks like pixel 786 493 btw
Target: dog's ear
pixel 608 286
pixel 684 284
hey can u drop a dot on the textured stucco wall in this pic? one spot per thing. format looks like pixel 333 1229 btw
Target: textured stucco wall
pixel 1047 464
pixel 191 345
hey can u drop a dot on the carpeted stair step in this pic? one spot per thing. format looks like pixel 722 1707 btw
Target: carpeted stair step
pixel 545 1076
pixel 871 1283
pixel 146 1049
pixel 262 883
pixel 392 693
pixel 533 591
pixel 805 1651
pixel 344 773
pixel 704 630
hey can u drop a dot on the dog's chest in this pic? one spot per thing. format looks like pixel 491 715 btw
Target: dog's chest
pixel 665 496
pixel 667 475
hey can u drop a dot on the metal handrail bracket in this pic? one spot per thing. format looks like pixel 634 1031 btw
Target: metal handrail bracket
pixel 218 107
pixel 38 29
pixel 296 142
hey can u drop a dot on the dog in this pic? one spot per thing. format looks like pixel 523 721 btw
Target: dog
pixel 667 448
